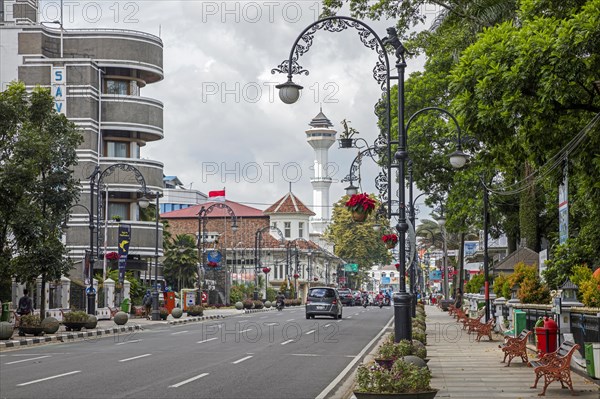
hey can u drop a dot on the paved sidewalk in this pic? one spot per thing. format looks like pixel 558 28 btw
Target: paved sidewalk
pixel 464 368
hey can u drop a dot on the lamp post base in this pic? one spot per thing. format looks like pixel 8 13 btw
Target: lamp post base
pixel 91 303
pixel 402 319
pixel 155 311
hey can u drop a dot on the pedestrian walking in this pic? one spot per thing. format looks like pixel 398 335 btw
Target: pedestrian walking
pixel 147 302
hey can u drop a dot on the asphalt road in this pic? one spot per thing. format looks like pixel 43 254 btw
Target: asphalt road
pixel 260 355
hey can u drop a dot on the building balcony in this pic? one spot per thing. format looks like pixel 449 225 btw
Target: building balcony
pixel 120 48
pixel 140 117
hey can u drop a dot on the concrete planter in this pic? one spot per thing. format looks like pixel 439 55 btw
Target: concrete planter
pixel 50 325
pixel 176 313
pixel 6 330
pixel 121 318
pixel 91 323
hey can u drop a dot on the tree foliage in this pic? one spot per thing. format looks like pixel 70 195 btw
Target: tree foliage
pixel 531 289
pixel 180 264
pixel 37 188
pixel 356 242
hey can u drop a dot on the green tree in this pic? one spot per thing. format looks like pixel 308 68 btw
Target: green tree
pixel 180 264
pixel 475 283
pixel 531 288
pixel 356 242
pixel 564 257
pixel 37 187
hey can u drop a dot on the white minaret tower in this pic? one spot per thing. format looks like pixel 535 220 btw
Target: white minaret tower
pixel 320 136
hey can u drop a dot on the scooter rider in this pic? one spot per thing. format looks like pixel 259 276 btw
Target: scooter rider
pixel 379 299
pixel 280 300
pixel 365 298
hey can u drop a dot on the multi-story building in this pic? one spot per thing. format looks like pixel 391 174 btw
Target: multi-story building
pixel 176 196
pixel 97 77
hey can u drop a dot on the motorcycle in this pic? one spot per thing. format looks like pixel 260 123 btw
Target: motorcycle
pixel 380 304
pixel 279 305
pixel 365 302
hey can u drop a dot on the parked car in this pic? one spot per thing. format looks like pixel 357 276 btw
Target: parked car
pixel 323 301
pixel 346 296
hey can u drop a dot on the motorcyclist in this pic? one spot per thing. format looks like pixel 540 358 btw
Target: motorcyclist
pixel 280 300
pixel 365 298
pixel 387 298
pixel 379 298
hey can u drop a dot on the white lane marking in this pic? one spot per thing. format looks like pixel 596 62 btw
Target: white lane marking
pixel 326 325
pixel 243 331
pixel 350 365
pixel 206 340
pixel 179 332
pixel 48 378
pixel 243 321
pixel 310 332
pixel 129 342
pixel 339 321
pixel 135 357
pixel 348 317
pixel 271 324
pixel 241 360
pixel 287 342
pixel 304 354
pixel 26 360
pixel 188 380
pixel 264 317
pixel 290 320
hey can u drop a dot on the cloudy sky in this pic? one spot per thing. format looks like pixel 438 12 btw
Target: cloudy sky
pixel 224 125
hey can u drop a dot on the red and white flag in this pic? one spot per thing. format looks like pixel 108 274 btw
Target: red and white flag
pixel 216 196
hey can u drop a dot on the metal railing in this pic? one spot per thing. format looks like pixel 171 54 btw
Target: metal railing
pixel 585 328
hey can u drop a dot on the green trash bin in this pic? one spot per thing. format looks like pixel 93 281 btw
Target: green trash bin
pixel 592 358
pixel 519 319
pixel 5 311
pixel 125 305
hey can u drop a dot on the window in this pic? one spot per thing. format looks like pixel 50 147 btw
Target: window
pixel 392 274
pixel 287 229
pixel 275 224
pixel 120 209
pixel 301 229
pixel 117 149
pixel 382 274
pixel 119 87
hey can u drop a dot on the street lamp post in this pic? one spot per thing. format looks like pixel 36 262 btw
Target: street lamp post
pixel 155 310
pixel 202 221
pixel 441 219
pixel 289 93
pixel 257 254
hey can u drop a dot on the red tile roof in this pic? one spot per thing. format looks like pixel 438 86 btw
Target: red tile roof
pixel 289 203
pixel 216 212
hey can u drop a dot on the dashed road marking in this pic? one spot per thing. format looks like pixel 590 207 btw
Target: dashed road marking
pixel 287 342
pixel 206 340
pixel 241 360
pixel 135 357
pixel 26 360
pixel 48 378
pixel 188 380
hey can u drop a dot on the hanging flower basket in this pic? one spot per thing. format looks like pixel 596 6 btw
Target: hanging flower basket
pixel 361 205
pixel 346 143
pixel 296 275
pixel 390 240
pixel 397 266
pixel 112 256
pixel 266 270
pixel 212 264
pixel 316 278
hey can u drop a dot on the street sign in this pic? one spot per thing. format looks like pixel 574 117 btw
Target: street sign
pixel 204 297
pixel 351 267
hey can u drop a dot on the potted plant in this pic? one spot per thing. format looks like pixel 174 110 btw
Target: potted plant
pixel 404 380
pixel 346 135
pixel 164 313
pixel 386 355
pixel 361 205
pixel 390 240
pixel 30 324
pixel 75 320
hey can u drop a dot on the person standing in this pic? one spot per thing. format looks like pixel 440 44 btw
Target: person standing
pixel 25 305
pixel 147 302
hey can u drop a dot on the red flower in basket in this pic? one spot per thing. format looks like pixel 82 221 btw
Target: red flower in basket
pixel 390 240
pixel 316 278
pixel 266 270
pixel 397 266
pixel 212 264
pixel 361 203
pixel 112 256
pixel 296 275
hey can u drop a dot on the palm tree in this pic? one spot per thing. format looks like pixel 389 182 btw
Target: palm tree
pixel 180 265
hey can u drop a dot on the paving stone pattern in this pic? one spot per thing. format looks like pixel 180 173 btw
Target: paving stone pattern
pixel 464 368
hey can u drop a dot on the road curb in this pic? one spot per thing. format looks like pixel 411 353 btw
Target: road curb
pixel 63 337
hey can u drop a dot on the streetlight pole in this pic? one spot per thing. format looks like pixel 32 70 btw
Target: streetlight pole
pixel 155 309
pixel 486 266
pixel 257 247
pixel 202 221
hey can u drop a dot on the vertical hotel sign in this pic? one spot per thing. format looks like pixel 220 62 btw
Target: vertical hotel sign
pixel 563 208
pixel 59 89
pixel 124 239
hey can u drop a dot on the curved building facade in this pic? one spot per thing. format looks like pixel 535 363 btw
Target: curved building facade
pixel 97 77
